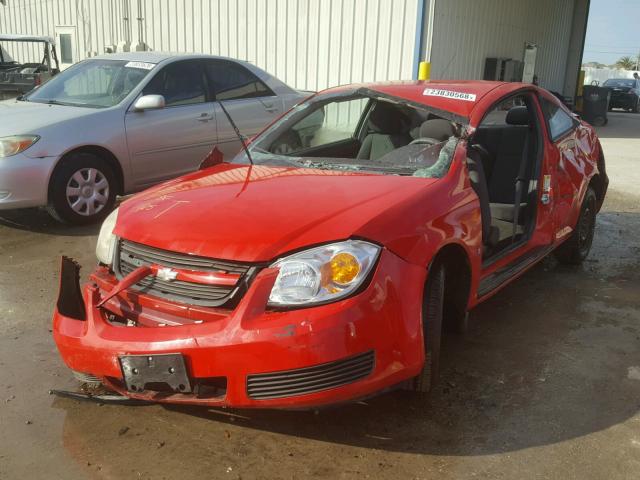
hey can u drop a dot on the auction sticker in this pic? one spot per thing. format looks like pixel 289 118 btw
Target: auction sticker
pixel 144 65
pixel 437 92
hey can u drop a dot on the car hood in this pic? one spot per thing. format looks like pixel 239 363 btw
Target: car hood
pixel 257 213
pixel 21 118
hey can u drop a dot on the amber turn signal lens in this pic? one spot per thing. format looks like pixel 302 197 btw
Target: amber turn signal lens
pixel 344 268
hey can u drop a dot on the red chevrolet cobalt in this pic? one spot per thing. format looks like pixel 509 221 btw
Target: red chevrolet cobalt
pixel 322 264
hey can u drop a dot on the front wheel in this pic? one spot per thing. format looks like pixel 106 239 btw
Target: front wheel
pixel 576 249
pixel 82 189
pixel 432 313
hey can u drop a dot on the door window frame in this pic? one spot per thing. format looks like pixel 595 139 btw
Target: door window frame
pixel 212 90
pixel 205 82
pixel 560 137
pixel 534 106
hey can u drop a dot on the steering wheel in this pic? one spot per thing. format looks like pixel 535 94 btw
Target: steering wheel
pixel 425 141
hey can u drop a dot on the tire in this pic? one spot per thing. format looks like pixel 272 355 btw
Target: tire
pixel 576 249
pixel 432 313
pixel 94 181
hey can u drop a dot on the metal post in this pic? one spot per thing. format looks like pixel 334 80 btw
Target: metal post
pixel 47 55
pixel 423 43
pixel 418 44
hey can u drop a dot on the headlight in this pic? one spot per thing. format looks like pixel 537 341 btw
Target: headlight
pixel 107 240
pixel 323 274
pixel 16 144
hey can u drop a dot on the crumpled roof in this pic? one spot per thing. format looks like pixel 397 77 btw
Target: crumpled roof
pixel 26 38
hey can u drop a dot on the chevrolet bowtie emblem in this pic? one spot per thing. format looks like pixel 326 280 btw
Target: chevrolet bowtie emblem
pixel 166 274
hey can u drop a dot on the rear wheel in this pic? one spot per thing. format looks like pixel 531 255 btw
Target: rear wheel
pixel 82 189
pixel 432 312
pixel 576 249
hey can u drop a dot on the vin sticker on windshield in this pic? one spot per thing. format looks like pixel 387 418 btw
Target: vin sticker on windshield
pixel 144 65
pixel 437 92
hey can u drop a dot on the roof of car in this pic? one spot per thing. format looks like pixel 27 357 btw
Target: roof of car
pixel 458 97
pixel 152 57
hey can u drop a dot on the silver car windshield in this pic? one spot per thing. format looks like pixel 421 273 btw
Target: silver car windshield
pixel 357 132
pixel 92 83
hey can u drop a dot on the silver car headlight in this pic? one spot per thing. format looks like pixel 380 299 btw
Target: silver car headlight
pixel 15 144
pixel 323 274
pixel 106 239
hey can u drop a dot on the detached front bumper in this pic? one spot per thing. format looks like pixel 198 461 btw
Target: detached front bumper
pixel 24 181
pixel 251 357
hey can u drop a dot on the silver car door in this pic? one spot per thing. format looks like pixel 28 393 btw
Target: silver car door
pixel 173 140
pixel 250 103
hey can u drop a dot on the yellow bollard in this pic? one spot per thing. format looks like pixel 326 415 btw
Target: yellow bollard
pixel 424 71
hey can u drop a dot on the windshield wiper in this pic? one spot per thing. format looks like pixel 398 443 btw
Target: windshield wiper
pixel 52 101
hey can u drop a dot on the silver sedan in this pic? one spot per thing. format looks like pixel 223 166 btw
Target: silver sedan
pixel 119 123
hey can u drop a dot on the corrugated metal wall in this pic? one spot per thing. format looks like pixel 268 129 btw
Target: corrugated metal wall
pixel 466 32
pixel 98 23
pixel 313 44
pixel 310 44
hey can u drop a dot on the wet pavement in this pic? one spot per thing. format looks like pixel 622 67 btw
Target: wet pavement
pixel 546 384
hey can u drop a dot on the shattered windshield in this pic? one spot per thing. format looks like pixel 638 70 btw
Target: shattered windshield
pixel 358 132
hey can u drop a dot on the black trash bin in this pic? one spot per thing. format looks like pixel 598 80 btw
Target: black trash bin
pixel 595 104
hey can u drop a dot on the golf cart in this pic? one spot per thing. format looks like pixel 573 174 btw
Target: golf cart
pixel 18 78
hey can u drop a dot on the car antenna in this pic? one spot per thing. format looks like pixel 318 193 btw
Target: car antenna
pixel 235 128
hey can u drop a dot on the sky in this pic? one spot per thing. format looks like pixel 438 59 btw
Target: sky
pixel 613 31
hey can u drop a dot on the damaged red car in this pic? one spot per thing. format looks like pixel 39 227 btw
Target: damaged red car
pixel 322 264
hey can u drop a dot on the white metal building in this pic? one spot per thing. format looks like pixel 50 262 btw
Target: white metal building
pixel 313 44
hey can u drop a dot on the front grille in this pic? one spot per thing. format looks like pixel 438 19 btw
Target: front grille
pixel 132 255
pixel 310 379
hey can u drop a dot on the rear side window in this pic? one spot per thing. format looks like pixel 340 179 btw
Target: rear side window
pixel 497 117
pixel 231 81
pixel 559 121
pixel 180 83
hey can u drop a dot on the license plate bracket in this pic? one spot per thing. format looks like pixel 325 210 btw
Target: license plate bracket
pixel 165 372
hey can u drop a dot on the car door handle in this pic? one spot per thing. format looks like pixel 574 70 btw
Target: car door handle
pixel 270 107
pixel 205 117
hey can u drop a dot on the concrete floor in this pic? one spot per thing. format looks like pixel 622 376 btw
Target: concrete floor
pixel 545 385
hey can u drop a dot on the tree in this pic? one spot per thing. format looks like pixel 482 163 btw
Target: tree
pixel 594 65
pixel 626 63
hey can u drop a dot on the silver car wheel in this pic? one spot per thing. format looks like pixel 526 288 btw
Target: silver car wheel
pixel 87 191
